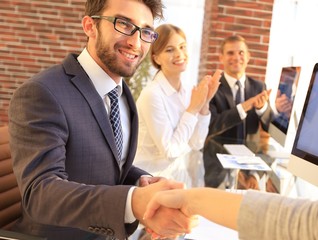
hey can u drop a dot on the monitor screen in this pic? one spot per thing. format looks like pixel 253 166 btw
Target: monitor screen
pixel 284 103
pixel 304 157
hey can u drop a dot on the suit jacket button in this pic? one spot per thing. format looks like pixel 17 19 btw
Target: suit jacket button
pixel 103 231
pixel 110 232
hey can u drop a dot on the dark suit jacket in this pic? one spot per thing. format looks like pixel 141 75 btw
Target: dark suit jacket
pixel 225 120
pixel 64 157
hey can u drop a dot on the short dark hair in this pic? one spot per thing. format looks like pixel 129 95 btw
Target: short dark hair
pixel 165 31
pixel 96 7
pixel 231 39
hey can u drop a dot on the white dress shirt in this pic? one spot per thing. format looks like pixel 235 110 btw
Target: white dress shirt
pixel 103 85
pixel 168 134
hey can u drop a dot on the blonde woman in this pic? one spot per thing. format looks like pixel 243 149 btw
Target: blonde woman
pixel 173 118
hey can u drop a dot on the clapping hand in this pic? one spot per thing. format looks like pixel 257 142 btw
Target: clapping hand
pixel 257 101
pixel 203 93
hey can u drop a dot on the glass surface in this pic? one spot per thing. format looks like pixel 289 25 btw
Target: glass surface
pixel 216 175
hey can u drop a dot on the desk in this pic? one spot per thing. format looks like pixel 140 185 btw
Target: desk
pixel 218 177
pixel 206 230
pixel 215 175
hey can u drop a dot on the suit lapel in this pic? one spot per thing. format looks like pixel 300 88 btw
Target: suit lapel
pixel 225 88
pixel 87 89
pixel 134 125
pixel 249 92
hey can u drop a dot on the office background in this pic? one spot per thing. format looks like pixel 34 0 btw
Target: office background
pixel 36 34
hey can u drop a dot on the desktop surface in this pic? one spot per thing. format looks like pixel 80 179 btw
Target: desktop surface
pixel 279 180
pixel 262 147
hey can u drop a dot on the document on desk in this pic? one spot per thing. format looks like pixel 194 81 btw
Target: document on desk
pixel 207 230
pixel 230 161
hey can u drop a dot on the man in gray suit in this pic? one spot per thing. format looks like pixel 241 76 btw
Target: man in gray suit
pixel 74 181
pixel 238 108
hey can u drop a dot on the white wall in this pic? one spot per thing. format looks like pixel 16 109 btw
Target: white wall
pixel 188 15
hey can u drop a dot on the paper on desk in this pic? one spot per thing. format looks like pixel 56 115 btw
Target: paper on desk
pixel 229 161
pixel 207 230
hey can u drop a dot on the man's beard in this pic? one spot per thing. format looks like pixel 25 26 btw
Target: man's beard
pixel 110 60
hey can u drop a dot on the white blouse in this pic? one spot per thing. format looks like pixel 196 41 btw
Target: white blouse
pixel 169 137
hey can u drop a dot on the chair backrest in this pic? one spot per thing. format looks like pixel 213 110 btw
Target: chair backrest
pixel 10 198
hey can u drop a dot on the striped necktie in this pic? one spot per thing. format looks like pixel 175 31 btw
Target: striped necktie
pixel 114 118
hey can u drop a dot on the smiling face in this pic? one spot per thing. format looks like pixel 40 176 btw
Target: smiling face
pixel 119 55
pixel 235 57
pixel 173 59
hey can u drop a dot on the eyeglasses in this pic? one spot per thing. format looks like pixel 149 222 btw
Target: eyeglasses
pixel 127 28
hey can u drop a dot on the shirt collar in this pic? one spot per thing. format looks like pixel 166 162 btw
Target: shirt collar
pixel 102 82
pixel 231 80
pixel 166 86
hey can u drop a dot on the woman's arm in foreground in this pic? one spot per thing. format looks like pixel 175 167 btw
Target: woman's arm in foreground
pixel 216 205
pixel 256 215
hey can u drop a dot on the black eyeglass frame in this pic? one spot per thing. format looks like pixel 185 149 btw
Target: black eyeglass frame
pixel 153 35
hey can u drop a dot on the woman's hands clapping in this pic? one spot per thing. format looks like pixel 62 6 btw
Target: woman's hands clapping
pixel 203 93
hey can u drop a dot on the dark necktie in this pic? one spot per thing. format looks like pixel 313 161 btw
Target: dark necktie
pixel 114 118
pixel 238 100
pixel 238 97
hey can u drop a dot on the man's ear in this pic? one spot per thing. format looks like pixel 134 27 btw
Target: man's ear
pixel 248 57
pixel 89 26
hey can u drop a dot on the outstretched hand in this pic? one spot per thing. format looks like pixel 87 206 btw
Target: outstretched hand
pixel 170 199
pixel 173 200
pixel 167 222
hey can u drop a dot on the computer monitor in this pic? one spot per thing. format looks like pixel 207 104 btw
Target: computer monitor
pixel 286 93
pixel 304 156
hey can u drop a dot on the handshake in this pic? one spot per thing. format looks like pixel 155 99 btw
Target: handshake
pixel 168 210
pixel 161 207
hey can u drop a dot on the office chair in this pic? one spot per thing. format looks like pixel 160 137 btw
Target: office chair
pixel 10 198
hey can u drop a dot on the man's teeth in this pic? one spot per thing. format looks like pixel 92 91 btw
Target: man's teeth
pixel 131 56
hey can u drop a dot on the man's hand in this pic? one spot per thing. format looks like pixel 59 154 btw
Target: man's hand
pixel 261 99
pixel 257 101
pixel 167 222
pixel 146 180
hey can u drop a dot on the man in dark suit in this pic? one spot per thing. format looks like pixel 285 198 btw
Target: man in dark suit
pixel 75 182
pixel 238 108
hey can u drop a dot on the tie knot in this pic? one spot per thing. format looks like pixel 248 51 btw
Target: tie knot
pixel 238 83
pixel 113 94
